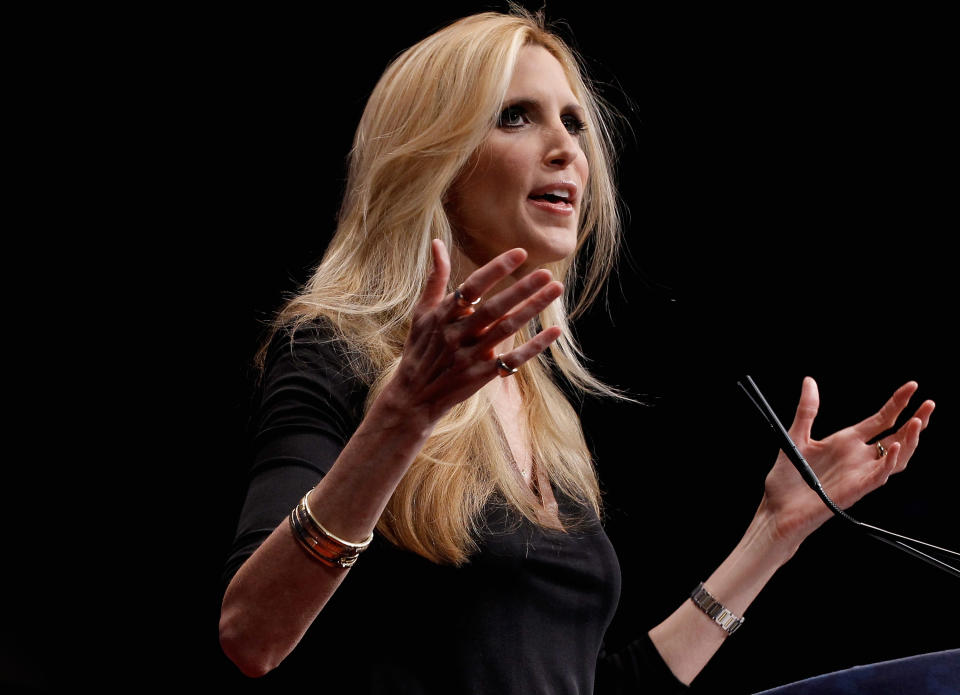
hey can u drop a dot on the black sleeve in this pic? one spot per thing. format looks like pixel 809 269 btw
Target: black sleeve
pixel 637 668
pixel 307 407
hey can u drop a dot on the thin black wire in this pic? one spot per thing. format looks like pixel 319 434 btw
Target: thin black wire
pixel 790 449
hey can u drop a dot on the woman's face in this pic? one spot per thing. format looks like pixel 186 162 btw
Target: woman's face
pixel 524 185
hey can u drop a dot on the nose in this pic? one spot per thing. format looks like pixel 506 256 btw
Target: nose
pixel 561 147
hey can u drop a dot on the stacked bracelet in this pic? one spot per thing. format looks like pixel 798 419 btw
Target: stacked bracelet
pixel 712 607
pixel 320 543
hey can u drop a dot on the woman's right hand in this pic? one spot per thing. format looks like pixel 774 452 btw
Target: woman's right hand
pixel 450 350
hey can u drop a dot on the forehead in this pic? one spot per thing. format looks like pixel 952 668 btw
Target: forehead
pixel 538 74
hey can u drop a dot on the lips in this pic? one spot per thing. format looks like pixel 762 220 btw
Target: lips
pixel 555 197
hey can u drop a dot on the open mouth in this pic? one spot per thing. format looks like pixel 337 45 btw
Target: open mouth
pixel 551 198
pixel 557 200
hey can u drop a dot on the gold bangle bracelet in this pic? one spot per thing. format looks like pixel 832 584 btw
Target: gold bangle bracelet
pixel 320 543
pixel 315 546
pixel 360 547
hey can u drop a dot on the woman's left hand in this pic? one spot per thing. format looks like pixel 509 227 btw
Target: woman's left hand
pixel 848 463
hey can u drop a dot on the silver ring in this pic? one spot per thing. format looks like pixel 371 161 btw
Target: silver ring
pixel 503 369
pixel 461 300
pixel 881 450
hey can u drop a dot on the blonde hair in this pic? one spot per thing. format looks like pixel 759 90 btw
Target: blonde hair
pixel 432 108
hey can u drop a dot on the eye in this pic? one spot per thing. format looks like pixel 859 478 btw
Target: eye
pixel 573 124
pixel 513 117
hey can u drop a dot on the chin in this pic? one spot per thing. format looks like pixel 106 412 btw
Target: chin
pixel 551 252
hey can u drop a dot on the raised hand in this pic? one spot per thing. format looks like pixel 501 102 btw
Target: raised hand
pixel 848 463
pixel 450 350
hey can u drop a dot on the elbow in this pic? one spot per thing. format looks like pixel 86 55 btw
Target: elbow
pixel 249 656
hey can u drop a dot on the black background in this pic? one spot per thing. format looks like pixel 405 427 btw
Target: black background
pixel 790 176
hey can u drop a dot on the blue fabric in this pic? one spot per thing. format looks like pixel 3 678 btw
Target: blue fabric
pixel 937 673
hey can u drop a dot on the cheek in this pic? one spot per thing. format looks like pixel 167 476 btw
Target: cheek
pixel 503 164
pixel 583 168
pixel 506 179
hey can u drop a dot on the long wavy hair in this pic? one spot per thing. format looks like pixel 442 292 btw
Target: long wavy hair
pixel 432 108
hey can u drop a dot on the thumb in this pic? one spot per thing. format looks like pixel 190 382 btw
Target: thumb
pixel 806 411
pixel 436 286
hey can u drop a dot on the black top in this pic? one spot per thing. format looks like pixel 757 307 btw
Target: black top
pixel 526 615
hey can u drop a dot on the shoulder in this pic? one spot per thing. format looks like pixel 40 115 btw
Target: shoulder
pixel 311 346
pixel 311 369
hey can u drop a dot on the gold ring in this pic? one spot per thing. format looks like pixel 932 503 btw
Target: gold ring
pixel 881 450
pixel 503 369
pixel 461 300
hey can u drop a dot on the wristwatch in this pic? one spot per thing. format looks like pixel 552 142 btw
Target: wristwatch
pixel 712 607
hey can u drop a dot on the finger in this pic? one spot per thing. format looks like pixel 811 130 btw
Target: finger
pixel 485 277
pixel 457 384
pixel 807 410
pixel 433 293
pixel 924 412
pixel 518 318
pixel 481 371
pixel 886 417
pixel 533 347
pixel 466 324
pixel 443 349
pixel 499 305
pixel 908 437
pixel 439 276
pixel 886 466
pixel 449 391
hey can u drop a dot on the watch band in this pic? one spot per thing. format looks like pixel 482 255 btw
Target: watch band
pixel 713 608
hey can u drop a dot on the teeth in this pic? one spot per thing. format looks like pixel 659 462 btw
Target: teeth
pixel 560 193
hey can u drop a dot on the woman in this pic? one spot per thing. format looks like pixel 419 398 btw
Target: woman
pixel 410 394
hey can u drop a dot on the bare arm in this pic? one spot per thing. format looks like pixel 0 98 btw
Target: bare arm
pixel 279 591
pixel 788 513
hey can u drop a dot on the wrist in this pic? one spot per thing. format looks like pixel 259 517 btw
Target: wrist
pixel 773 535
pixel 393 411
pixel 786 528
pixel 755 559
